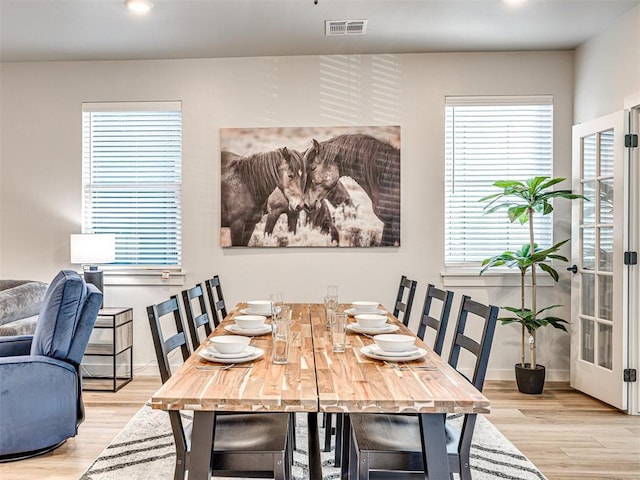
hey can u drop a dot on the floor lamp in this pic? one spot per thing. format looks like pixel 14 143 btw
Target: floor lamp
pixel 91 249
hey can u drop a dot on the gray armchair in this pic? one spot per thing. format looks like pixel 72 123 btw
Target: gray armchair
pixel 20 302
pixel 41 403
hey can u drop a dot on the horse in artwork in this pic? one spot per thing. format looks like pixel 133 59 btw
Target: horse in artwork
pixel 372 163
pixel 319 218
pixel 247 182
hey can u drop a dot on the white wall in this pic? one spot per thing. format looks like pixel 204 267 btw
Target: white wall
pixel 40 195
pixel 608 69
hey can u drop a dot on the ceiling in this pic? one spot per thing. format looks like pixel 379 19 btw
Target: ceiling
pixel 53 30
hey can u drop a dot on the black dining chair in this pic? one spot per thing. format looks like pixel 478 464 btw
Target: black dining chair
pixel 402 307
pixel 252 445
pixel 382 443
pixel 217 306
pixel 195 309
pixel 428 319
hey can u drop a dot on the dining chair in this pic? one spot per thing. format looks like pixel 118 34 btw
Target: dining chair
pixel 382 443
pixel 217 306
pixel 245 444
pixel 197 315
pixel 428 319
pixel 403 305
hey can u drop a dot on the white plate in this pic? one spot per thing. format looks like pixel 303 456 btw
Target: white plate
pixel 387 328
pixel 375 349
pixel 245 353
pixel 248 311
pixel 233 328
pixel 353 312
pixel 371 353
pixel 210 354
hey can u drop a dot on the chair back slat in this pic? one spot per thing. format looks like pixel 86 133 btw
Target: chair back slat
pixel 194 319
pixel 216 299
pixel 480 349
pixel 445 297
pixel 403 305
pixel 164 346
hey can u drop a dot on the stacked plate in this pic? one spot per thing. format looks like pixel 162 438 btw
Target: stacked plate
pixel 250 353
pixel 374 351
pixel 251 325
pixel 386 328
pixel 353 312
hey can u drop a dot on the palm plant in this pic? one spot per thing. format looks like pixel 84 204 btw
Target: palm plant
pixel 523 200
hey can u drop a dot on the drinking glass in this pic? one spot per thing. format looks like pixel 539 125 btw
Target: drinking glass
pixel 276 303
pixel 281 335
pixel 330 306
pixel 332 291
pixel 338 331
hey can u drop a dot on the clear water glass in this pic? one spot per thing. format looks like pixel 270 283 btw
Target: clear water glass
pixel 338 332
pixel 281 335
pixel 276 303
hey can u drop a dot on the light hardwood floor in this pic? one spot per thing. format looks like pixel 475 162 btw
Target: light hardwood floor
pixel 568 435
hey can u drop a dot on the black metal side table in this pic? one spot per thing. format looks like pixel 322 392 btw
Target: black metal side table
pixel 112 337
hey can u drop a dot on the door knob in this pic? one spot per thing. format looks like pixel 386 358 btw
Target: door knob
pixel 573 268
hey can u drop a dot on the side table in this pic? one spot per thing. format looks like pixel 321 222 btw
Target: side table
pixel 112 338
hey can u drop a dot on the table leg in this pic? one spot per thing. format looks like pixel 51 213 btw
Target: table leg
pixel 346 443
pixel 201 445
pixel 434 445
pixel 315 462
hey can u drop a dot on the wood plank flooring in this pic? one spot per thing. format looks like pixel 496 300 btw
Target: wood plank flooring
pixel 568 435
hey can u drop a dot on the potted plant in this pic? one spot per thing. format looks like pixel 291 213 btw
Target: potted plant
pixel 523 200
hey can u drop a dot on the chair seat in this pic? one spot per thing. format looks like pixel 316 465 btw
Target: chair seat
pixel 395 434
pixel 257 432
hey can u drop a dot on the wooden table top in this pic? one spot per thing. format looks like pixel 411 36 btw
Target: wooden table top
pixel 316 379
pixel 352 382
pixel 203 385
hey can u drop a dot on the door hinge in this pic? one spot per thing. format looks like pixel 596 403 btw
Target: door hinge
pixel 630 258
pixel 629 375
pixel 631 140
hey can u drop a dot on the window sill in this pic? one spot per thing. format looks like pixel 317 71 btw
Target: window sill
pixel 149 277
pixel 472 278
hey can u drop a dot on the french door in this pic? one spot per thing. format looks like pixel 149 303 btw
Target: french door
pixel 599 287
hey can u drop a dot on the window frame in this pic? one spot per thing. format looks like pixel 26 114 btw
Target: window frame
pixel 138 273
pixel 459 273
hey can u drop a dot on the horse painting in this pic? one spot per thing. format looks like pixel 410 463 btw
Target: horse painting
pixel 372 163
pixel 319 218
pixel 247 182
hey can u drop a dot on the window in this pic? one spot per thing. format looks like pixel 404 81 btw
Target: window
pixel 131 179
pixel 489 139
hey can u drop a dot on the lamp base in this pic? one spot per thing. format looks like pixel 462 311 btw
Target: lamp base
pixel 95 277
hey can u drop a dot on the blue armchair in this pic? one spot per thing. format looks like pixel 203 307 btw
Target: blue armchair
pixel 40 384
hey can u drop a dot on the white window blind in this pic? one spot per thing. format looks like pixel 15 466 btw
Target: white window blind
pixel 489 139
pixel 132 174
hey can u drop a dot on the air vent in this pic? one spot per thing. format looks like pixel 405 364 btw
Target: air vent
pixel 345 27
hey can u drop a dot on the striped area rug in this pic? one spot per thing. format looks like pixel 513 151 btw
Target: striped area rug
pixel 144 450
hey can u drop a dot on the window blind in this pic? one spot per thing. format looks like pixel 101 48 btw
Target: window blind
pixel 489 139
pixel 132 174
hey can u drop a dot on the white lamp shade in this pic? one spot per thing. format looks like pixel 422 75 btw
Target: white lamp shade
pixel 93 248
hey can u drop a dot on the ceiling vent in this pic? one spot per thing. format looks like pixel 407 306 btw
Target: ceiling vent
pixel 345 27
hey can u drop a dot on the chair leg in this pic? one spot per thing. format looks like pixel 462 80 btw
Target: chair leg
pixel 328 429
pixel 280 466
pixel 339 438
pixel 353 459
pixel 292 431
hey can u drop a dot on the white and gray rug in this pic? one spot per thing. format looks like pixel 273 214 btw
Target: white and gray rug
pixel 144 450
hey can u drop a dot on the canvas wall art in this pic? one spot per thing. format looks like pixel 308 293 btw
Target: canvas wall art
pixel 310 187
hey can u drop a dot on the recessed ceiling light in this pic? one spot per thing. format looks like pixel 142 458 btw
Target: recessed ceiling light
pixel 139 6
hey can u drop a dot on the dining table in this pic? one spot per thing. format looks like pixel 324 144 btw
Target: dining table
pixel 318 380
